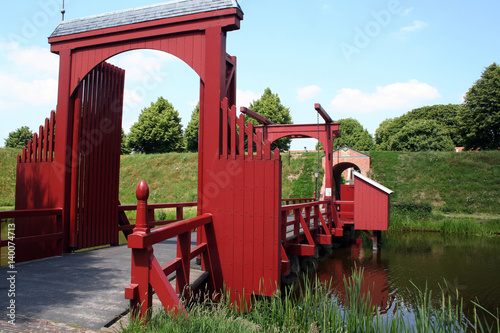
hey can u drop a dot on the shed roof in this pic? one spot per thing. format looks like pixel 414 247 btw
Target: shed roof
pixel 373 183
pixel 349 148
pixel 141 14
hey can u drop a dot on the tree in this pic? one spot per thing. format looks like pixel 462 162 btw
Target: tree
pixel 445 115
pixel 19 138
pixel 125 149
pixel 353 135
pixel 191 134
pixel 422 135
pixel 269 106
pixel 158 130
pixel 385 131
pixel 480 119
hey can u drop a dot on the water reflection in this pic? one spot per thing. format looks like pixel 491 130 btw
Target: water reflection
pixel 468 265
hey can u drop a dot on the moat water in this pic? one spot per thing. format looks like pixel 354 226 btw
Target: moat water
pixel 463 263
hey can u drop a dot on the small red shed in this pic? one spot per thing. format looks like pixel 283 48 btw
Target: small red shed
pixel 371 204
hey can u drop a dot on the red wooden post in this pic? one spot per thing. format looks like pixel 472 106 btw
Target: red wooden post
pixel 73 233
pixel 140 288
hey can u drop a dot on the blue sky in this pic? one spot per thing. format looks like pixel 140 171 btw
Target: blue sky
pixel 367 60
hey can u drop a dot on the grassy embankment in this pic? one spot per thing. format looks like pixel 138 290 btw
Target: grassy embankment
pixel 441 191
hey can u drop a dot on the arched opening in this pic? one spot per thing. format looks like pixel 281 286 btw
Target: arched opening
pixel 150 74
pixel 342 173
pixel 303 172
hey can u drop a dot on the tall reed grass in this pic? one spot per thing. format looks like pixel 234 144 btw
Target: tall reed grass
pixel 315 308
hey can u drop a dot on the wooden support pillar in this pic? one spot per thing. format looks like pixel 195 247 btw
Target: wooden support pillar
pixel 62 151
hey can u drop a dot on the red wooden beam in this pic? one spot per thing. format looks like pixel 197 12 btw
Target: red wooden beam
pixel 323 113
pixel 261 119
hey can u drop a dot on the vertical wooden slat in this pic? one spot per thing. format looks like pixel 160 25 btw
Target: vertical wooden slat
pixel 259 226
pixel 30 152
pixel 87 218
pixel 117 147
pixel 34 147
pixel 249 132
pixel 248 226
pixel 224 125
pixel 241 206
pixel 99 149
pixel 40 145
pixel 46 141
pixel 233 143
pixel 102 160
pixel 259 145
pixel 52 135
pixel 241 144
pixel 82 193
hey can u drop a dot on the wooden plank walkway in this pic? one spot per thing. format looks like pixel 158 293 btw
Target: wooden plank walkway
pixel 85 289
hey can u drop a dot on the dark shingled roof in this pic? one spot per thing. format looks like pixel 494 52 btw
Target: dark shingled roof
pixel 141 14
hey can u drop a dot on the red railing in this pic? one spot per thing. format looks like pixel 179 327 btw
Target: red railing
pixel 56 236
pixel 179 214
pixel 148 275
pixel 294 201
pixel 308 223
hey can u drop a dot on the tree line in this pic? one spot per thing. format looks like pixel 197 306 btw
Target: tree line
pixel 475 124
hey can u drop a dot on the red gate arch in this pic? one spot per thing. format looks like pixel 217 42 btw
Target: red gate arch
pixel 191 30
pixel 324 133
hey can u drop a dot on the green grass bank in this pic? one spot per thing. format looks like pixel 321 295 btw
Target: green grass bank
pixel 441 191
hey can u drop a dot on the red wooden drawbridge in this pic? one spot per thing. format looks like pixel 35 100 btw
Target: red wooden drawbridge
pixel 247 240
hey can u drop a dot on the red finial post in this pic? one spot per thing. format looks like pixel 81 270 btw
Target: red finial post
pixel 142 194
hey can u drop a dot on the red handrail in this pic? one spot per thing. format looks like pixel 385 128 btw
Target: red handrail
pixel 146 272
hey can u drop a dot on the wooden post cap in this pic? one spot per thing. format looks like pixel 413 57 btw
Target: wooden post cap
pixel 142 192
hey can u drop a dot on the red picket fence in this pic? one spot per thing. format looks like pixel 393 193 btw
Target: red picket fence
pixel 41 148
pixel 148 275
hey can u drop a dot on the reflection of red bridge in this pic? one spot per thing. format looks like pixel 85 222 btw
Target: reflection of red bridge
pixel 247 240
pixel 375 279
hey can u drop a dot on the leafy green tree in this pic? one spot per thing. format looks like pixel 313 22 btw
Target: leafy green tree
pixel 480 119
pixel 19 138
pixel 422 135
pixel 445 115
pixel 158 130
pixel 269 106
pixel 191 134
pixel 385 131
pixel 353 135
pixel 125 149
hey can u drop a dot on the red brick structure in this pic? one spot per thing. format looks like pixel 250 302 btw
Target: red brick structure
pixel 344 160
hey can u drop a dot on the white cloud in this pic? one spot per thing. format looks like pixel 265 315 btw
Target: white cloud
pixel 15 92
pixel 309 92
pixel 400 95
pixel 142 66
pixel 417 25
pixel 34 60
pixel 246 97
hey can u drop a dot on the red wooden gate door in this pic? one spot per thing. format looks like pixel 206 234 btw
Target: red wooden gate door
pixel 96 166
